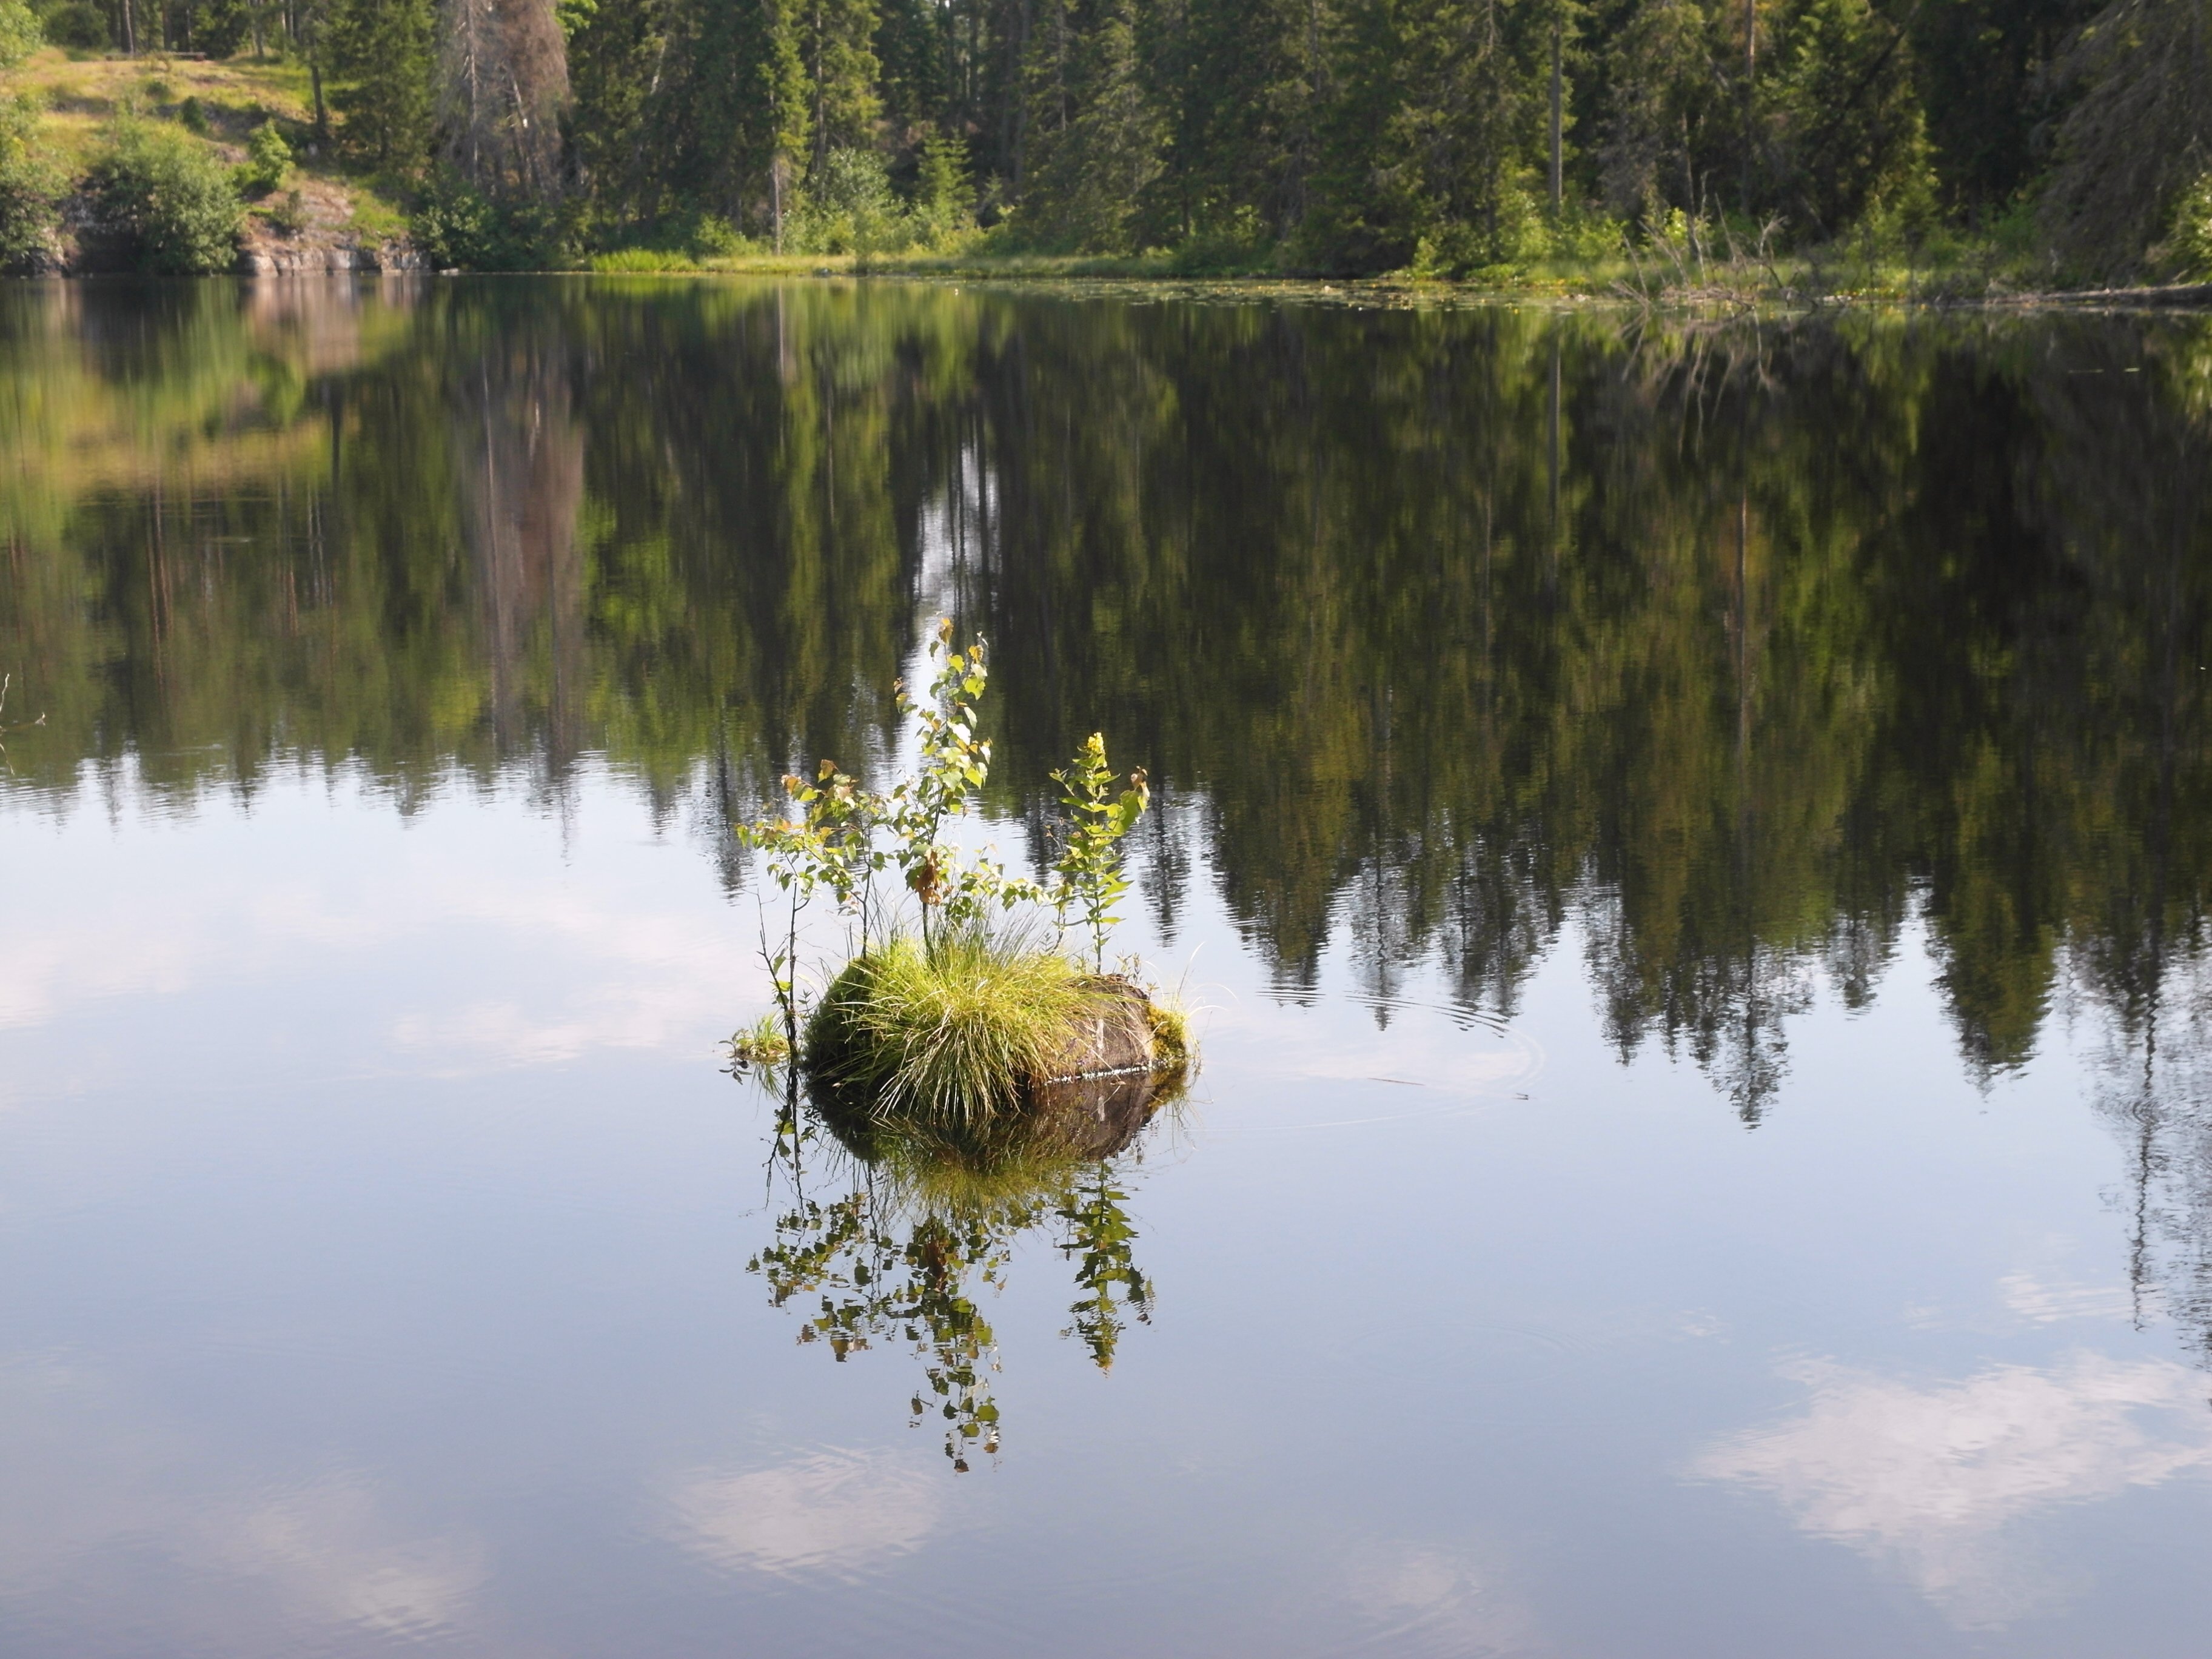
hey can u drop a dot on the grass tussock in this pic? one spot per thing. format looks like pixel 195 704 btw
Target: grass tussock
pixel 951 1036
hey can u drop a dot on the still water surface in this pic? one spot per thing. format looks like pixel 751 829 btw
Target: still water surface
pixel 1692 847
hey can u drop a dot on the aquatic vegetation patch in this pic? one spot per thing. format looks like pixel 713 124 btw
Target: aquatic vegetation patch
pixel 958 1017
pixel 955 1035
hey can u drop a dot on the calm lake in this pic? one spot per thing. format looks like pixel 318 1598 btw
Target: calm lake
pixel 1689 848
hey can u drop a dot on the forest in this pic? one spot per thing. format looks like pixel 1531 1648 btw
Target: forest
pixel 2069 140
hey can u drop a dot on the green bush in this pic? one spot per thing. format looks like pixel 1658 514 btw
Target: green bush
pixel 20 33
pixel 268 159
pixel 31 190
pixel 2189 247
pixel 715 237
pixel 850 209
pixel 461 228
pixel 168 199
pixel 193 117
pixel 79 25
pixel 221 27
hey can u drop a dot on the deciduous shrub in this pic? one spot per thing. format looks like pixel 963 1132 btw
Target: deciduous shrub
pixel 168 199
pixel 31 188
pixel 20 33
pixel 78 25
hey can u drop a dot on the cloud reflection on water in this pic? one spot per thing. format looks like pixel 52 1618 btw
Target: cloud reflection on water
pixel 155 1531
pixel 1939 1481
pixel 832 1511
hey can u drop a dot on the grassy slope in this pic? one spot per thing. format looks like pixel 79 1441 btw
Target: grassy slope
pixel 82 93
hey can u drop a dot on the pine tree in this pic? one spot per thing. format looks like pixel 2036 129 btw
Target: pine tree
pixel 1986 83
pixel 616 57
pixel 836 50
pixel 1251 101
pixel 1096 129
pixel 1436 132
pixel 1851 134
pixel 1665 96
pixel 730 111
pixel 380 55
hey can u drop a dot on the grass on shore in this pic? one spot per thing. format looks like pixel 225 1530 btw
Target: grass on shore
pixel 80 95
pixel 1966 273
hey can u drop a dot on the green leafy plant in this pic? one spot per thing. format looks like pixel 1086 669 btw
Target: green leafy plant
pixel 848 207
pixel 20 33
pixel 167 198
pixel 903 1258
pixel 287 213
pixel 268 159
pixel 462 229
pixel 31 190
pixel 954 762
pixel 191 116
pixel 78 25
pixel 1091 882
pixel 2189 248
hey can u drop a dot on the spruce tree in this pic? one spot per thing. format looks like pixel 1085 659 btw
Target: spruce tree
pixel 730 112
pixel 614 55
pixel 1851 134
pixel 1097 127
pixel 381 55
pixel 836 49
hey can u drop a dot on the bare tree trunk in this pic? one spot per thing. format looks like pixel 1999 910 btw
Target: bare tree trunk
pixel 1559 130
pixel 505 75
pixel 1750 84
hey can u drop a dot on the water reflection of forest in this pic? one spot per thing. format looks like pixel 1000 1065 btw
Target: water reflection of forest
pixel 1746 647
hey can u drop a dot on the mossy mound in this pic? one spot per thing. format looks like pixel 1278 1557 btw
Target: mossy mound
pixel 983 1045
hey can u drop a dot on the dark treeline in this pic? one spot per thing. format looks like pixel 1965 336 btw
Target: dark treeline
pixel 1338 135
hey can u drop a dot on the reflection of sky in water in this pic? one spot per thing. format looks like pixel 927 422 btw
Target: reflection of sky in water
pixel 377 1276
pixel 1939 1479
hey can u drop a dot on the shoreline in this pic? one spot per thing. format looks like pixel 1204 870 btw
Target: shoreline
pixel 1387 291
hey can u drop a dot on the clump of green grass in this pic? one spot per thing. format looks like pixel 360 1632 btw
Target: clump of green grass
pixel 641 262
pixel 950 1037
pixel 1170 1035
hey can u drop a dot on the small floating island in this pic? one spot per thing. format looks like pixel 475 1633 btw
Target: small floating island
pixel 973 1018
